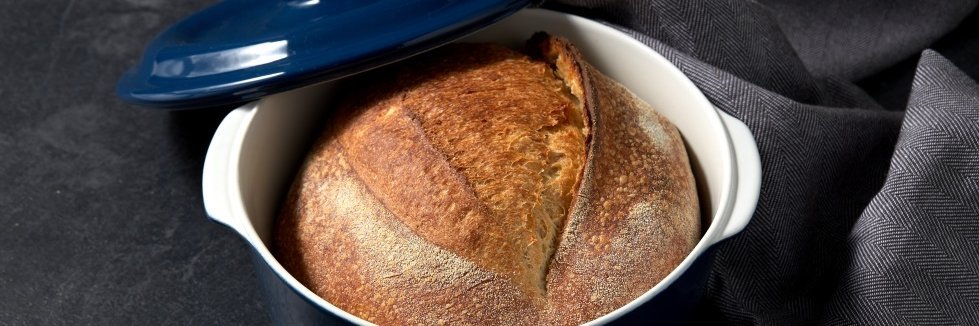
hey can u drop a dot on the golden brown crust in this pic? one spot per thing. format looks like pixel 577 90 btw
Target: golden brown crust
pixel 485 187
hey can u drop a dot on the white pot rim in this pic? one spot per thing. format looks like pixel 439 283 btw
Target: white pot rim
pixel 738 194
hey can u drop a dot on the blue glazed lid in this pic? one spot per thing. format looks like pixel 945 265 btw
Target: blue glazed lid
pixel 240 50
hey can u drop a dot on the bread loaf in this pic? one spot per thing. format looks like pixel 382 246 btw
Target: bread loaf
pixel 476 184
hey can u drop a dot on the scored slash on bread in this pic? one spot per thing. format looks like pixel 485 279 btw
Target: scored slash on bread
pixel 481 185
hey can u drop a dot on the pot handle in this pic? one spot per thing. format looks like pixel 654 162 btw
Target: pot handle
pixel 748 175
pixel 218 169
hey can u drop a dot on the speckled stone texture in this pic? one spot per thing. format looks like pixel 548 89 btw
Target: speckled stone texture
pixel 102 222
pixel 101 218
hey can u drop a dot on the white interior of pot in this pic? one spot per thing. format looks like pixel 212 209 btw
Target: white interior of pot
pixel 283 125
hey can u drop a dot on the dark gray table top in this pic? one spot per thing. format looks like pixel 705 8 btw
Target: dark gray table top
pixel 101 218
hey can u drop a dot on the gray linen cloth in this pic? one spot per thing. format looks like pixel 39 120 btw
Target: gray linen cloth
pixel 866 215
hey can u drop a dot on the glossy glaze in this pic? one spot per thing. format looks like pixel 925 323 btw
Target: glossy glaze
pixel 254 153
pixel 239 50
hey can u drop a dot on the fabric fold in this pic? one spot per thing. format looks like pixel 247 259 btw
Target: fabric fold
pixel 913 255
pixel 830 242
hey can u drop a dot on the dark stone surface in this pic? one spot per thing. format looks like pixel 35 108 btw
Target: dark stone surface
pixel 101 218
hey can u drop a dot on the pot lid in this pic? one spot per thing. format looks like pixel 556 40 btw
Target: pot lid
pixel 240 50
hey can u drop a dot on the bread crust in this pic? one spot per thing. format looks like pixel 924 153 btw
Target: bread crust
pixel 417 205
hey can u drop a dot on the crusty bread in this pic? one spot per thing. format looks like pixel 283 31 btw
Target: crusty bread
pixel 480 185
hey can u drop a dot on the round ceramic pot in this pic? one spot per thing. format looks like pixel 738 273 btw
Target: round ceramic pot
pixel 258 147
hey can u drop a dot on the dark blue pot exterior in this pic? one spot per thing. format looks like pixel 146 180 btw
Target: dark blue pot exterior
pixel 673 306
pixel 239 50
